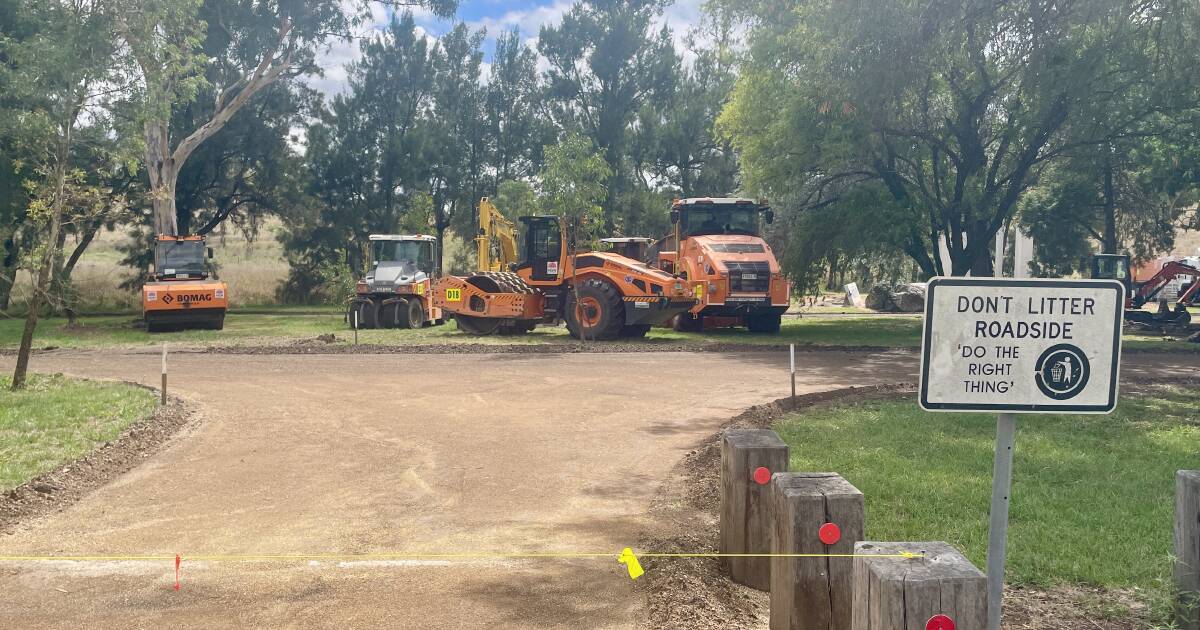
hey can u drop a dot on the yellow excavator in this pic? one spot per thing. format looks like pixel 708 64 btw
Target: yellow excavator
pixel 493 224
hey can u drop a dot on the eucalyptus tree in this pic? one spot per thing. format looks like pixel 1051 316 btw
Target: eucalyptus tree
pixel 516 131
pixel 607 62
pixel 368 150
pixel 266 40
pixel 57 77
pixel 455 131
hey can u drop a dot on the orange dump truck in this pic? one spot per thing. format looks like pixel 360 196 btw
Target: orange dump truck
pixel 718 248
pixel 179 294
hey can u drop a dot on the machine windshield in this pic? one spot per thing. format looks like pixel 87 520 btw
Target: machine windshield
pixel 1111 267
pixel 179 258
pixel 719 219
pixel 419 253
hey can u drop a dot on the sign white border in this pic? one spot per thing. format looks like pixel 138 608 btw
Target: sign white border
pixel 1115 372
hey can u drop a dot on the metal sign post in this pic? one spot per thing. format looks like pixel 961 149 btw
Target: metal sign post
pixel 1028 346
pixel 163 394
pixel 792 366
pixel 1006 424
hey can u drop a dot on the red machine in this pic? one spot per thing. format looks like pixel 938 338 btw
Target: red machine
pixel 1138 294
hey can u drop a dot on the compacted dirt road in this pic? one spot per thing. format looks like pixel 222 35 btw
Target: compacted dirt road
pixel 346 456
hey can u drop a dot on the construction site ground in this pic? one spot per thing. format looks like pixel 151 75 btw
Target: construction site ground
pixel 340 459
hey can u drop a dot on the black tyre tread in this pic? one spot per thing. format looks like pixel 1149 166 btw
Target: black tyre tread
pixel 390 313
pixel 413 313
pixel 684 322
pixel 612 315
pixel 764 323
pixel 368 314
pixel 635 331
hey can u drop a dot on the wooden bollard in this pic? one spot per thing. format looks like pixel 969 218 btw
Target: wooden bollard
pixel 1187 549
pixel 815 513
pixel 940 590
pixel 746 502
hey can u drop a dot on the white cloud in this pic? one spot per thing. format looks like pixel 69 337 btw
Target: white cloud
pixel 681 17
pixel 529 21
pixel 339 52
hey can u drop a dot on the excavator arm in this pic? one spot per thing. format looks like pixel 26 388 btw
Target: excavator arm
pixel 1146 291
pixel 492 224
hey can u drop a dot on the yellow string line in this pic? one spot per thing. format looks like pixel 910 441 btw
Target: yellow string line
pixel 440 556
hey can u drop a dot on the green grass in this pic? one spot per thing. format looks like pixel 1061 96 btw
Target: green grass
pixel 56 419
pixel 287 324
pixel 1092 497
pixel 284 325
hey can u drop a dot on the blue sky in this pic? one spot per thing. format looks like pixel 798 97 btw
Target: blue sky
pixel 494 16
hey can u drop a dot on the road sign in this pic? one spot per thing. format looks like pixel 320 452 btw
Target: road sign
pixel 1030 346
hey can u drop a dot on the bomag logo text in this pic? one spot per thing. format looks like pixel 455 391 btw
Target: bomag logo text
pixel 188 298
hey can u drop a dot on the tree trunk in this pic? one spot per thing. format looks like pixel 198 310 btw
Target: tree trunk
pixel 57 286
pixel 43 278
pixel 163 174
pixel 831 279
pixel 8 269
pixel 1110 244
pixel 440 223
pixel 981 263
pixel 69 305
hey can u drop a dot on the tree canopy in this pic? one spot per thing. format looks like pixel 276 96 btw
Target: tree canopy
pixel 956 107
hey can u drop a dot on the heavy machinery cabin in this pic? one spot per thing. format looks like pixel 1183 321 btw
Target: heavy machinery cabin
pixel 600 295
pixel 395 292
pixel 179 294
pixel 718 248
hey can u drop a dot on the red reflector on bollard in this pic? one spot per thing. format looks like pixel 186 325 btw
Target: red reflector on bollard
pixel 939 622
pixel 830 533
pixel 762 476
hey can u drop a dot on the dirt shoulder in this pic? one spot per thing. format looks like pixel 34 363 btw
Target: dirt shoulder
pixel 696 593
pixel 57 489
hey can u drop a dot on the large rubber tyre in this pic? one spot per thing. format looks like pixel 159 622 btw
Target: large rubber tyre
pixel 412 314
pixel 368 314
pixel 602 309
pixel 217 323
pixel 684 322
pixel 763 323
pixel 635 331
pixel 391 314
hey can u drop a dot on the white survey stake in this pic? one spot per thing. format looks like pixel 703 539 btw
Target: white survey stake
pixel 1028 346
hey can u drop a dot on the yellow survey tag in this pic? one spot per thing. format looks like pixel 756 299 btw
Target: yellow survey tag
pixel 631 562
pixel 453 295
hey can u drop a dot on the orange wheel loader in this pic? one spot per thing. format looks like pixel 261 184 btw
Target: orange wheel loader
pixel 179 294
pixel 600 295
